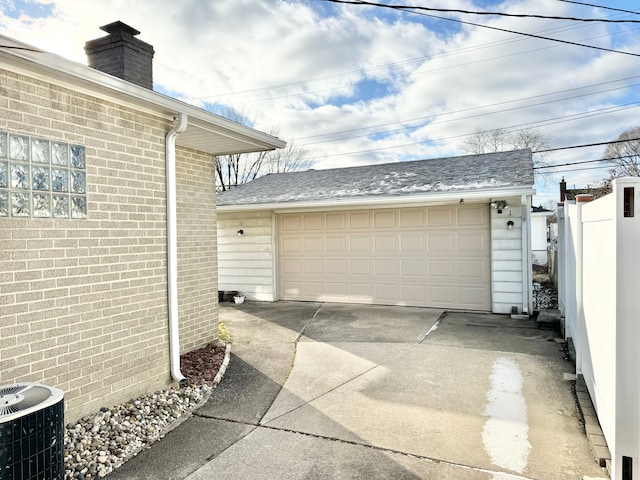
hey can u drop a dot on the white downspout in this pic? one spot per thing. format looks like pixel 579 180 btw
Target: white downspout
pixel 179 126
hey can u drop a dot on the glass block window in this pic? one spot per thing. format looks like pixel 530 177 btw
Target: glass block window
pixel 41 178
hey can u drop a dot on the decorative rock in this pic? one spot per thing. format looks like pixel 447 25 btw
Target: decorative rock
pixel 99 443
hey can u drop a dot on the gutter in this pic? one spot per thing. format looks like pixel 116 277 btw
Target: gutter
pixel 437 198
pixel 179 126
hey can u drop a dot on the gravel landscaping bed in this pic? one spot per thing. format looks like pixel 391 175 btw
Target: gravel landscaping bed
pixel 545 295
pixel 99 443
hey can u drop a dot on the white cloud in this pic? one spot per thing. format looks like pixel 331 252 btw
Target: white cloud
pixel 313 68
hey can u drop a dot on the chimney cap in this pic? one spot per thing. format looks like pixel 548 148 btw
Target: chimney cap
pixel 119 27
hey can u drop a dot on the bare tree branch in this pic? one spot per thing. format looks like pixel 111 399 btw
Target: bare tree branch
pixel 625 156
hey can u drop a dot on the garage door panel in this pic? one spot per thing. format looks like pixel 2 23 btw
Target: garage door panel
pixel 384 219
pixel 362 292
pixel 386 243
pixel 313 221
pixel 412 243
pixel 473 269
pixel 312 289
pixel 290 223
pixel 473 216
pixel 473 243
pixel 337 267
pixel 427 256
pixel 442 294
pixel 442 268
pixel 385 267
pixel 336 245
pixel 413 293
pixel 441 243
pixel 292 290
pixel 470 296
pixel 440 217
pixel 313 265
pixel 336 220
pixel 360 220
pixel 411 218
pixel 360 243
pixel 291 266
pixel 290 245
pixel 387 293
pixel 360 266
pixel 313 244
pixel 412 268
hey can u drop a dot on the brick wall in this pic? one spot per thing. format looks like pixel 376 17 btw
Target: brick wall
pixel 197 250
pixel 83 303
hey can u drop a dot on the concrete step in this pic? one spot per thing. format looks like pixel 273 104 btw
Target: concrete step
pixel 550 319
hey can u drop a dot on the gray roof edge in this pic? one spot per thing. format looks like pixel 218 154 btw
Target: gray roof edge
pixel 381 200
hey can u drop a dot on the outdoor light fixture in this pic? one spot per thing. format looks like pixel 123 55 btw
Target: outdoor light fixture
pixel 240 232
pixel 510 225
pixel 499 205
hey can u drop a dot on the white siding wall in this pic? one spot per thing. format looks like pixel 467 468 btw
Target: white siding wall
pixel 507 258
pixel 246 263
pixel 539 238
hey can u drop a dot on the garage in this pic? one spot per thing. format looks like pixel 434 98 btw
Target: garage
pixel 447 233
pixel 429 256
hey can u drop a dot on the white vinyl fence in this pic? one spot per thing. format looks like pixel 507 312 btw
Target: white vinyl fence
pixel 599 293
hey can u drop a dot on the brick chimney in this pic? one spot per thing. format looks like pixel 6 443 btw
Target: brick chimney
pixel 121 55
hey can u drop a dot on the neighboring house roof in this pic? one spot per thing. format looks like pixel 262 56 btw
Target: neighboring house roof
pixel 597 192
pixel 482 175
pixel 541 211
pixel 205 132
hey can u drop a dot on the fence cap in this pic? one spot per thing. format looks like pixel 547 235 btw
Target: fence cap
pixel 583 198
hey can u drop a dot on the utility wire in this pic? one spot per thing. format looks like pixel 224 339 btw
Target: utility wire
pixel 599 6
pixel 515 128
pixel 583 162
pixel 481 107
pixel 532 35
pixel 474 12
pixel 587 145
pixel 363 71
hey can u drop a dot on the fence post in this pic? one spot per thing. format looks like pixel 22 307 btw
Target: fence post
pixel 626 451
pixel 582 341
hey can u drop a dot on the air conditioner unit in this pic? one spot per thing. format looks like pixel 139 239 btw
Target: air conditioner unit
pixel 31 432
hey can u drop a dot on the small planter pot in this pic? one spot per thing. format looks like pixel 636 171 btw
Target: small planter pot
pixel 238 298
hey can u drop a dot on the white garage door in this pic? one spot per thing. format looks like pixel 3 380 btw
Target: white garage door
pixel 429 256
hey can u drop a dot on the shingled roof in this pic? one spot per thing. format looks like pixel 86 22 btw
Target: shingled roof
pixel 489 171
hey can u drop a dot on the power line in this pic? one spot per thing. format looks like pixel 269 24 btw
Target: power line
pixel 425 118
pixel 599 6
pixel 588 145
pixel 583 162
pixel 475 12
pixel 363 71
pixel 567 42
pixel 515 128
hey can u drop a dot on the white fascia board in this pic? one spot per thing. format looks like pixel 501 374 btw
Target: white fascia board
pixel 48 67
pixel 476 196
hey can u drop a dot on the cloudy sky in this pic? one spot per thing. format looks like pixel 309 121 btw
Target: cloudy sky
pixel 358 84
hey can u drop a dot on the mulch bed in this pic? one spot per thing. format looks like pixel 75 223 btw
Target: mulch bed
pixel 202 365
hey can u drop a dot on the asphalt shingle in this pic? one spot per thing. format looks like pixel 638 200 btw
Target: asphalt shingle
pixel 452 174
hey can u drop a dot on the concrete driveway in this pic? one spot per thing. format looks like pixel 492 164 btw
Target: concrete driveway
pixel 333 391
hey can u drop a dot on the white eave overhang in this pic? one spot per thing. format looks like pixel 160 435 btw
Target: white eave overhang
pixel 206 132
pixel 381 201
